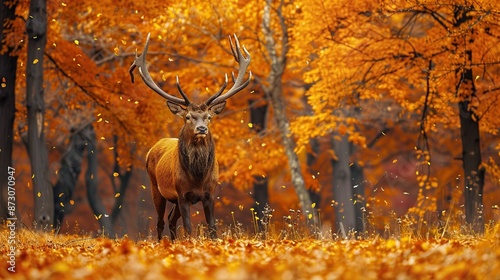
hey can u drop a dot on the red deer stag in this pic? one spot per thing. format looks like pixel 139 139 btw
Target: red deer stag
pixel 184 171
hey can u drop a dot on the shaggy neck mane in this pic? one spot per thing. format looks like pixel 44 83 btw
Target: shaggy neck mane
pixel 196 155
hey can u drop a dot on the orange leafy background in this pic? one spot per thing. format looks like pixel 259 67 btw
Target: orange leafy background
pixel 333 43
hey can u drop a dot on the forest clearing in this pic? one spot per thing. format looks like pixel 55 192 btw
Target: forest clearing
pixel 45 256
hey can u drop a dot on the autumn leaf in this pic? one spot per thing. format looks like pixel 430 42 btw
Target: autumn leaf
pixel 72 256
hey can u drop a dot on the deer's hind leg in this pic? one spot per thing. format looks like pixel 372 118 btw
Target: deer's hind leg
pixel 160 205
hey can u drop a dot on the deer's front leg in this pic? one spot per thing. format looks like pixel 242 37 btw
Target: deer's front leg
pixel 184 206
pixel 173 216
pixel 208 208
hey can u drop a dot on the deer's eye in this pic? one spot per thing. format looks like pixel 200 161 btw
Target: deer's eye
pixel 188 117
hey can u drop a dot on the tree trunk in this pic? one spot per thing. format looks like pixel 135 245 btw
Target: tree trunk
pixel 143 206
pixel 469 128
pixel 293 160
pixel 314 194
pixel 36 28
pixel 258 118
pixel 274 90
pixel 311 161
pixel 471 154
pixel 342 187
pixel 358 189
pixel 68 175
pixel 261 197
pixel 474 173
pixel 92 187
pixel 7 105
pixel 123 178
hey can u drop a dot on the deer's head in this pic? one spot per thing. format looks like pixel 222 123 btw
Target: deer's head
pixel 197 117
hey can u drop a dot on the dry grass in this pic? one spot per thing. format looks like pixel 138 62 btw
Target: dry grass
pixel 45 256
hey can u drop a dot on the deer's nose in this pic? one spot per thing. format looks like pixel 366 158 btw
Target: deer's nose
pixel 202 129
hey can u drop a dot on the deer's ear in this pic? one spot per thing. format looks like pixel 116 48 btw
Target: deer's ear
pixel 217 108
pixel 176 109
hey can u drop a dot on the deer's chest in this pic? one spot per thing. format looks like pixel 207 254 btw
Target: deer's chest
pixel 198 164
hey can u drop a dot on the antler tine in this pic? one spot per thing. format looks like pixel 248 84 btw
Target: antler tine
pixel 140 62
pixel 217 94
pixel 236 51
pixel 181 91
pixel 239 84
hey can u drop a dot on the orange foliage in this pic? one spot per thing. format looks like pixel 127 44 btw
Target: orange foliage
pixel 371 64
pixel 365 65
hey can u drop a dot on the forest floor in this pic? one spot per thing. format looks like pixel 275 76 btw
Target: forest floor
pixel 45 256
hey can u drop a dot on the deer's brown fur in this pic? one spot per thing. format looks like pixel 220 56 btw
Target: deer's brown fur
pixel 184 171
